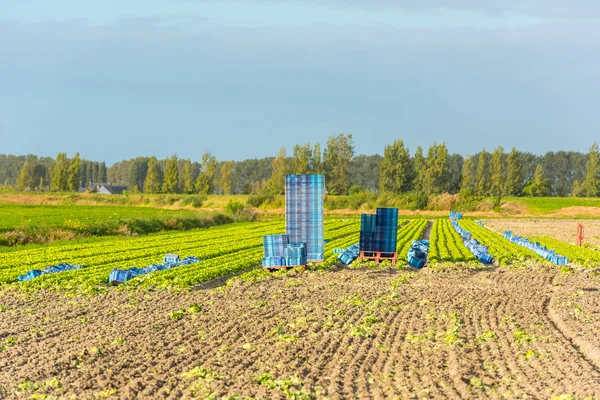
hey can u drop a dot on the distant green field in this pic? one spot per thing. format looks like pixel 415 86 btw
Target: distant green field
pixel 545 205
pixel 13 216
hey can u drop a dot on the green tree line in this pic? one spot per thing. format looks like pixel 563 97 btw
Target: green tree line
pixel 399 170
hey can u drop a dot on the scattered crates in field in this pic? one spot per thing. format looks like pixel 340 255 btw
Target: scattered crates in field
pixel 537 248
pixel 417 254
pixel 479 251
pixel 171 258
pixel 480 223
pixel 54 269
pixel 455 215
pixel 118 276
pixel 346 256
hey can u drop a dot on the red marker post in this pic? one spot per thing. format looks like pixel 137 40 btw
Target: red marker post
pixel 579 234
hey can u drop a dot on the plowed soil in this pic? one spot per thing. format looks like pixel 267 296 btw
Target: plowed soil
pixel 455 333
pixel 565 229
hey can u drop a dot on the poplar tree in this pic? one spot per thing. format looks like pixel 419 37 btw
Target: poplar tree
pixel 226 177
pixel 394 171
pixel 89 173
pixel 418 170
pixel 26 179
pixel 102 174
pixel 336 162
pixel 96 173
pixel 542 185
pixel 591 183
pixel 467 177
pixel 74 173
pixel 171 179
pixel 514 173
pixel 481 176
pixel 152 183
pixel 276 183
pixel 316 163
pixel 205 184
pixel 497 173
pixel 302 159
pixel 83 173
pixel 188 178
pixel 60 173
pixel 435 172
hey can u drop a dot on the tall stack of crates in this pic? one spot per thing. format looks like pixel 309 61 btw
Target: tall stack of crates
pixel 304 213
pixel 378 232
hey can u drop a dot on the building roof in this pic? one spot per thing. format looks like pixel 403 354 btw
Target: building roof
pixel 114 189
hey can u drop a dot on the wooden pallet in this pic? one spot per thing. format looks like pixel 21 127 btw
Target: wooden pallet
pixel 379 256
pixel 275 269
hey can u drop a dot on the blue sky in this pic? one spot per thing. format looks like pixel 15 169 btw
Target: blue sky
pixel 117 79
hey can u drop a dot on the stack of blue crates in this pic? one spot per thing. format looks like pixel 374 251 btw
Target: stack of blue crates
pixel 378 233
pixel 304 213
pixel 386 229
pixel 368 232
pixel 279 252
pixel 274 250
pixel 295 254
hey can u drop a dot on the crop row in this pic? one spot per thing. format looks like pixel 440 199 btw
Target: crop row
pixel 576 255
pixel 503 250
pixel 446 244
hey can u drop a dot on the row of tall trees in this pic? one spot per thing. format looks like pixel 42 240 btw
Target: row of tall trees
pixel 173 175
pixel 497 174
pixel 62 174
pixel 333 162
pixel 398 171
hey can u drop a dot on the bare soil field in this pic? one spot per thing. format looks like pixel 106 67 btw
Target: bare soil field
pixel 450 333
pixel 561 229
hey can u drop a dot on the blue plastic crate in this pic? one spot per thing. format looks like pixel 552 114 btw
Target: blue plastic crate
pixel 118 276
pixel 171 258
pixel 30 275
pixel 416 262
